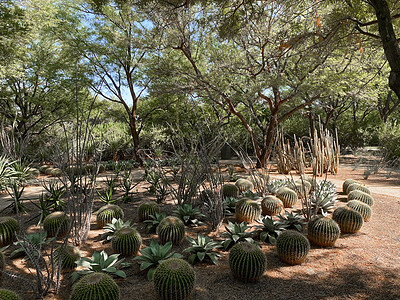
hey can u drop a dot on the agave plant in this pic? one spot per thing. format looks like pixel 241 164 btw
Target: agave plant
pixel 230 204
pixel 111 228
pixel 56 192
pixel 324 197
pixel 189 215
pixel 269 229
pixel 101 262
pixel 251 195
pixel 201 248
pixel 153 255
pixel 236 232
pixel 274 185
pixel 292 221
pixel 30 245
pixel 154 221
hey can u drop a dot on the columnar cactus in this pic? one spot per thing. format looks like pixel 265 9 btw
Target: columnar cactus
pixel 247 262
pixel 363 208
pixel 171 229
pixel 323 231
pixel 8 229
pixel 146 209
pixel 67 255
pixel 56 223
pixel 106 213
pixel 230 190
pixel 126 241
pixel 271 206
pixel 247 210
pixel 244 185
pixel 174 279
pixel 358 187
pixel 287 196
pixel 292 247
pixel 361 196
pixel 8 295
pixel 349 220
pixel 95 286
pixel 346 184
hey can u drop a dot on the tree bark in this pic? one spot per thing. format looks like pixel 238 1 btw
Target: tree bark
pixel 389 42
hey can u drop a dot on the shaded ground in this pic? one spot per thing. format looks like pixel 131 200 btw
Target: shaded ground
pixel 365 265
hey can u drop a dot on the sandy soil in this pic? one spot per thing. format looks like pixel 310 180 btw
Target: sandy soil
pixel 365 265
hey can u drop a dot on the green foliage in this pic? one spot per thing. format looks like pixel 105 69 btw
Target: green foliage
pixel 323 231
pixel 201 248
pixel 324 197
pixel 363 208
pixel 106 213
pixel 8 230
pixel 146 209
pixel 292 221
pixel 230 205
pixel 154 221
pixel 292 247
pixel 174 279
pixel 247 210
pixel 287 196
pixel 8 295
pixel 171 229
pixel 361 196
pixel 111 228
pixel 36 240
pixel 189 215
pixel 153 255
pixel 126 241
pixel 95 286
pixel 271 206
pixel 270 229
pixel 56 223
pixel 16 202
pixel 275 184
pixel 247 262
pixel 389 139
pixel 101 262
pixel 349 220
pixel 236 232
pixel 244 185
pixel 67 256
pixel 56 191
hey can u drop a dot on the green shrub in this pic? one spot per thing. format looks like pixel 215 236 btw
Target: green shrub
pixel 95 286
pixel 292 247
pixel 389 139
pixel 247 262
pixel 174 279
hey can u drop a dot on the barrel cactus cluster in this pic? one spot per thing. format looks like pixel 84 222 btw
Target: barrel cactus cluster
pixel 271 206
pixel 349 220
pixel 67 256
pixel 287 196
pixel 126 241
pixel 247 210
pixel 57 224
pixel 95 286
pixel 8 230
pixel 244 185
pixel 323 231
pixel 230 190
pixel 106 213
pixel 292 247
pixel 146 209
pixel 171 229
pixel 6 294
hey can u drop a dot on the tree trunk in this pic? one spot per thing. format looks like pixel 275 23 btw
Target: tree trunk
pixel 135 137
pixel 269 139
pixel 389 42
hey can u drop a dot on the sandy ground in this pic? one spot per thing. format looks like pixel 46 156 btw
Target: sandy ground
pixel 365 265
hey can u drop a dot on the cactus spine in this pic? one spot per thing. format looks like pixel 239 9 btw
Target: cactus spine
pixel 67 255
pixel 56 223
pixel 126 241
pixel 8 295
pixel 346 184
pixel 95 286
pixel 146 209
pixel 244 185
pixel 171 229
pixel 363 208
pixel 292 247
pixel 247 262
pixel 230 190
pixel 174 279
pixel 271 206
pixel 287 196
pixel 358 187
pixel 247 210
pixel 106 213
pixel 361 196
pixel 8 229
pixel 349 220
pixel 323 231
